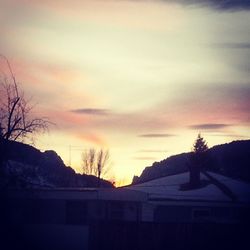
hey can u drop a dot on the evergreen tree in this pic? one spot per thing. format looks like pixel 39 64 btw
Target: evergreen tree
pixel 200 145
pixel 198 160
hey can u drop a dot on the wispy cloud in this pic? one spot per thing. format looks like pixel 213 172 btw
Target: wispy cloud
pixel 91 111
pixel 91 137
pixel 231 45
pixel 211 105
pixel 156 135
pixel 209 126
pixel 151 151
pixel 217 4
pixel 143 158
pixel 234 136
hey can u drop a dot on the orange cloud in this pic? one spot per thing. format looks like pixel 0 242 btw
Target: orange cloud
pixel 93 138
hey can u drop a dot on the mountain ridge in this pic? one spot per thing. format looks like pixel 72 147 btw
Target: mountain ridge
pixel 229 159
pixel 29 167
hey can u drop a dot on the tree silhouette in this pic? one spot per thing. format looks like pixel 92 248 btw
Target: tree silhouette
pixel 200 145
pixel 88 162
pixel 197 160
pixel 96 162
pixel 16 120
pixel 102 163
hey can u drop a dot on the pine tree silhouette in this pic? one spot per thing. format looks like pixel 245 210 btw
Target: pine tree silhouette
pixel 197 160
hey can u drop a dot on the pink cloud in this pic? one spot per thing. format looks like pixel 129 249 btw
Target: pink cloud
pixel 91 137
pixel 211 105
pixel 122 13
pixel 49 84
pixel 64 119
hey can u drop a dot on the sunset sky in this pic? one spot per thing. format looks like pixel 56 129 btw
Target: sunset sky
pixel 141 78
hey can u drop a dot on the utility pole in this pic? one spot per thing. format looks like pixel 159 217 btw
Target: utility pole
pixel 70 155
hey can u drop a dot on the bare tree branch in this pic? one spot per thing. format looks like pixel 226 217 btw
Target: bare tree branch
pixel 16 120
pixel 96 162
pixel 88 162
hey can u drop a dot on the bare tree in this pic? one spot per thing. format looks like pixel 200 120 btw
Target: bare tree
pixel 16 121
pixel 88 162
pixel 96 162
pixel 103 165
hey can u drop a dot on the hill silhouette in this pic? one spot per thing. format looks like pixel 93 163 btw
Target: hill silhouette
pixel 230 159
pixel 29 167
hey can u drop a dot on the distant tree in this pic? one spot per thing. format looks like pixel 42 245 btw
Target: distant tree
pixel 200 146
pixel 102 163
pixel 96 162
pixel 89 162
pixel 197 160
pixel 16 120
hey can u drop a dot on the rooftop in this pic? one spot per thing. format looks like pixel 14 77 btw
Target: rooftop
pixel 168 188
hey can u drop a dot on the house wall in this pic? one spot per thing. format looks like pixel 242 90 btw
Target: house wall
pixel 53 223
pixel 46 237
pixel 201 214
pixel 162 236
pixel 83 222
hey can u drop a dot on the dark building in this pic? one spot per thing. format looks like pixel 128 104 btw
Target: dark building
pixel 152 215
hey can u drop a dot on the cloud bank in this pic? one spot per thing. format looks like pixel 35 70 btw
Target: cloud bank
pixel 209 126
pixel 217 4
pixel 91 111
pixel 231 45
pixel 155 135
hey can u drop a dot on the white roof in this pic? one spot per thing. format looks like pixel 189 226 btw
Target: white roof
pixel 169 188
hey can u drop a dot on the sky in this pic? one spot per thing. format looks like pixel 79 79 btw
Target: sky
pixel 140 78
